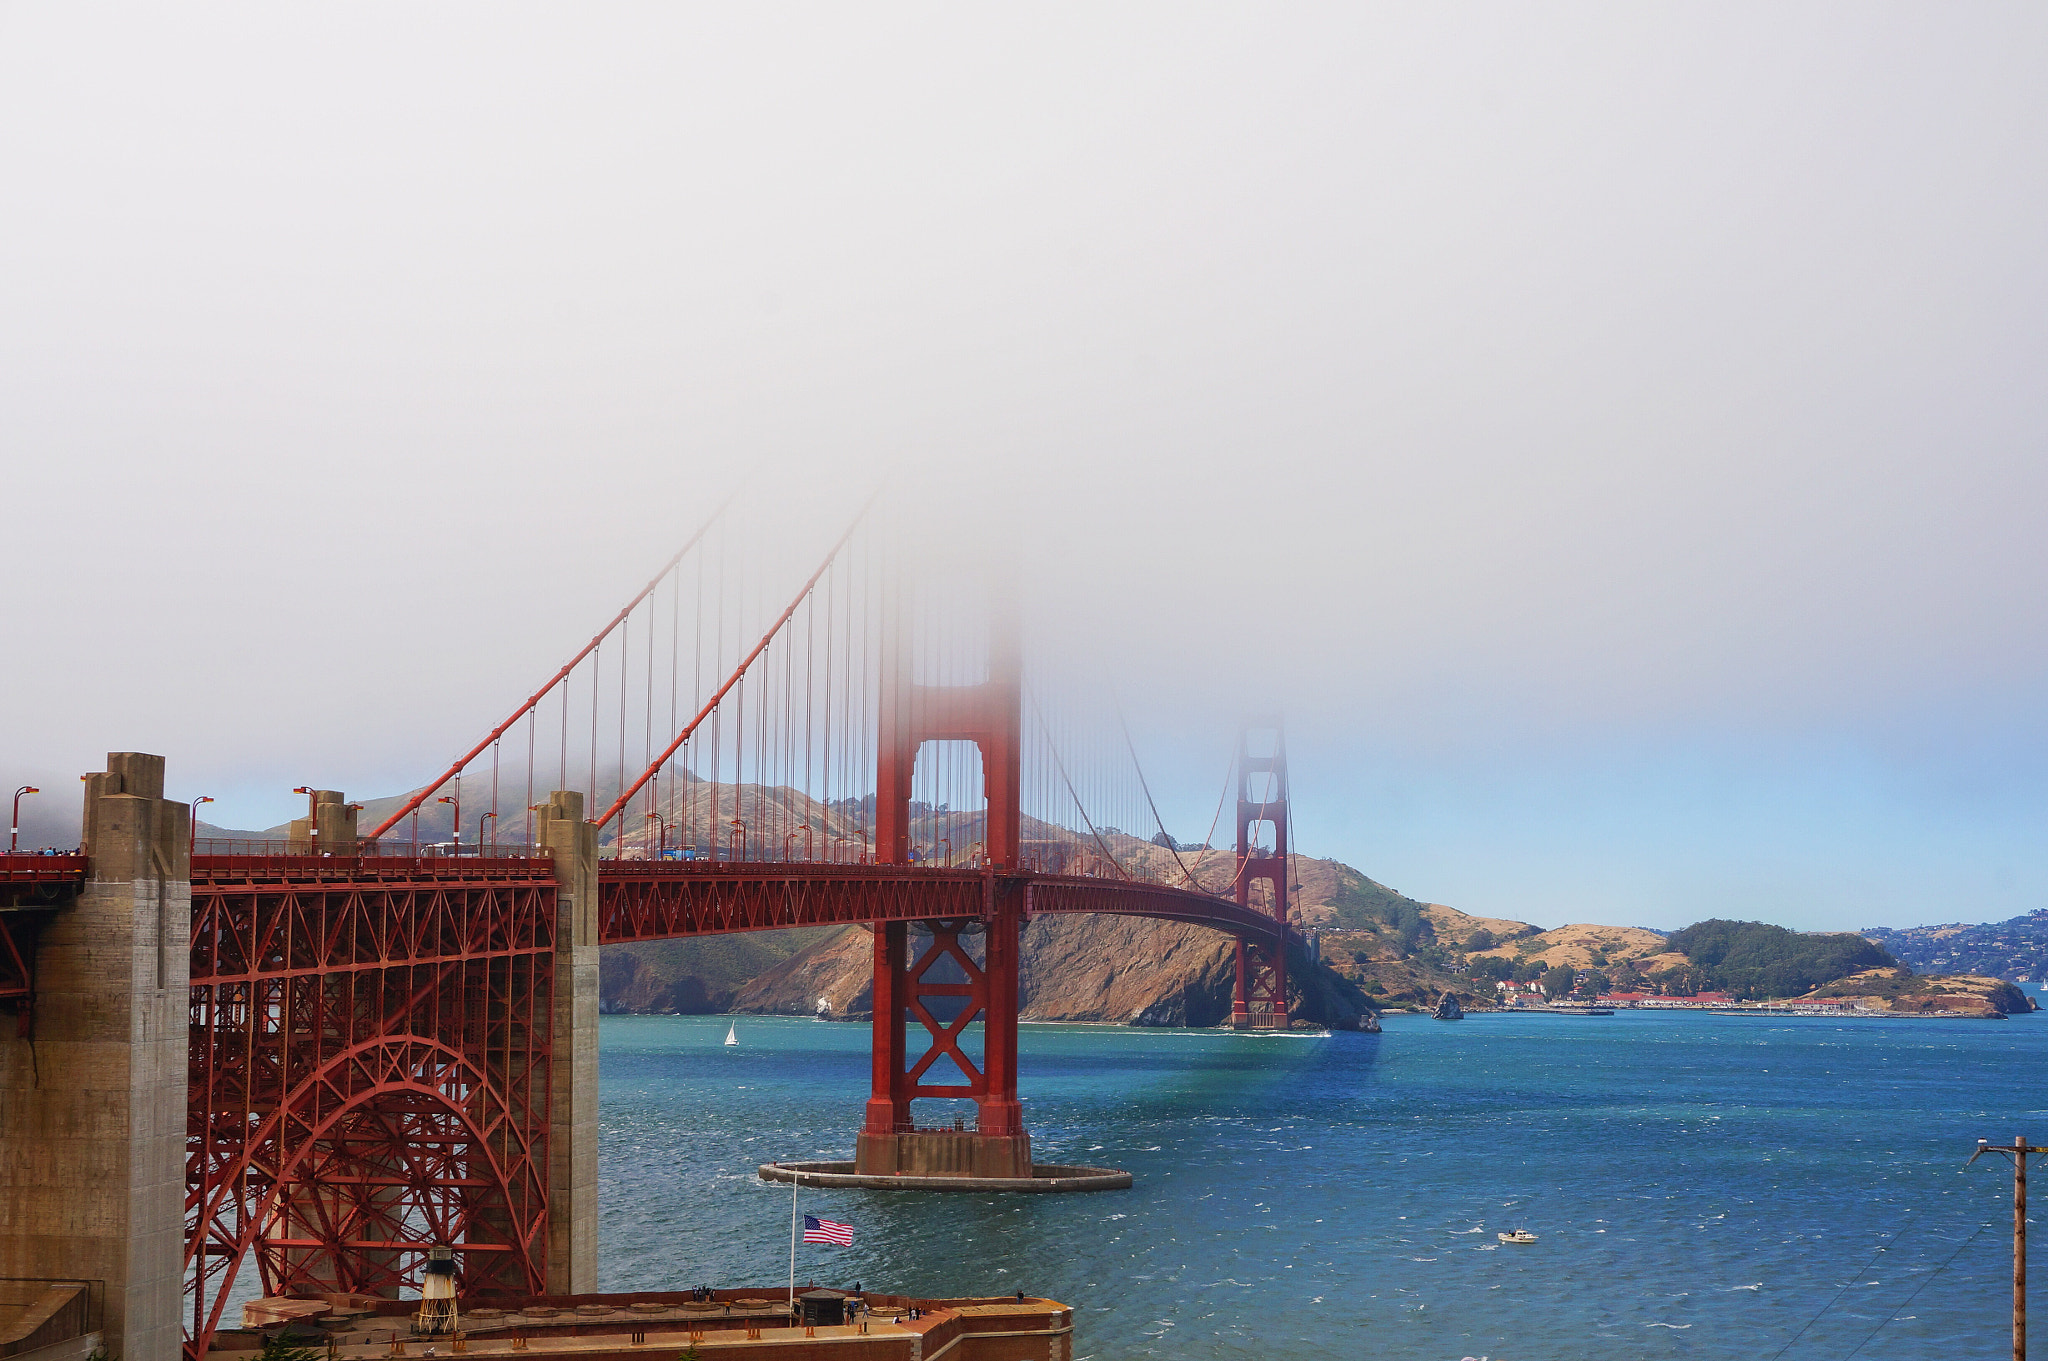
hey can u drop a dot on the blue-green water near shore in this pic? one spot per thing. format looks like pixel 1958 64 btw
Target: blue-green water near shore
pixel 1702 1185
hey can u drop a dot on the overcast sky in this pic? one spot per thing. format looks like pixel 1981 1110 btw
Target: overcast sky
pixel 1613 434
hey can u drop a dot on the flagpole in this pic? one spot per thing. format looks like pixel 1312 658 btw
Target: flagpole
pixel 794 1181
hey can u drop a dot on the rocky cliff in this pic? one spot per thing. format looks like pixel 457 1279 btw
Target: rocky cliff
pixel 692 976
pixel 1127 970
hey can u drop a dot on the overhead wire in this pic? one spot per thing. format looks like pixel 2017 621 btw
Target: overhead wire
pixel 1924 1282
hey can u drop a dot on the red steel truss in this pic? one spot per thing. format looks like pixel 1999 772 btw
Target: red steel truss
pixel 965 991
pixel 654 900
pixel 371 1040
pixel 1259 999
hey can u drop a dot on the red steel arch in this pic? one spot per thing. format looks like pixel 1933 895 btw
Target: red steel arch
pixel 371 1043
pixel 384 1151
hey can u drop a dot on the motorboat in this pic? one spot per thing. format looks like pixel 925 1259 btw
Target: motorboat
pixel 1518 1236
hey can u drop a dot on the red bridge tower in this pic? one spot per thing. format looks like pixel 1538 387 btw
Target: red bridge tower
pixel 1259 1001
pixel 990 715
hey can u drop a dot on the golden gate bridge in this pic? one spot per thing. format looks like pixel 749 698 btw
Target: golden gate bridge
pixel 383 1039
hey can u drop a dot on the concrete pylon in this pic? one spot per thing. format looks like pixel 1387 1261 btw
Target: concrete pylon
pixel 561 832
pixel 329 825
pixel 92 1109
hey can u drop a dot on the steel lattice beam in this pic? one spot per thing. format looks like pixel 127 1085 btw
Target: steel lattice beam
pixel 654 900
pixel 370 1073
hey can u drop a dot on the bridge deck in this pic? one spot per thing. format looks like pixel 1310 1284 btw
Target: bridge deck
pixel 656 900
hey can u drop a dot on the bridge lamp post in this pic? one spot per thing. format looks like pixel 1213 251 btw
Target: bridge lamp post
pixel 739 833
pixel 806 828
pixel 203 798
pixel 787 840
pixel 456 803
pixel 480 822
pixel 947 842
pixel 660 834
pixel 14 831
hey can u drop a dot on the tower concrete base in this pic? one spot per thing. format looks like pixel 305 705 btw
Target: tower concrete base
pixel 1044 1177
pixel 943 1153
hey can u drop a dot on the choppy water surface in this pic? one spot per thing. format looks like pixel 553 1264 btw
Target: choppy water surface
pixel 1702 1185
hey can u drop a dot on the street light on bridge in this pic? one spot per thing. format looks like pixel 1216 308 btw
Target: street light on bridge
pixel 203 798
pixel 660 835
pixel 481 842
pixel 14 831
pixel 738 833
pixel 456 802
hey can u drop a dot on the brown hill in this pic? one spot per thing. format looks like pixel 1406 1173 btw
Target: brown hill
pixel 1584 946
pixel 1456 929
pixel 1901 990
pixel 1127 970
pixel 692 976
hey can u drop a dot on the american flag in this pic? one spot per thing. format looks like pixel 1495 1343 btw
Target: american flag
pixel 818 1230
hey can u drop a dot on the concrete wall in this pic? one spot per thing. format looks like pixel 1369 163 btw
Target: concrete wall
pixel 92 1107
pixel 943 1153
pixel 572 1136
pixel 329 824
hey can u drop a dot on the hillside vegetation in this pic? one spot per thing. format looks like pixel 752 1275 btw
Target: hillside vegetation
pixel 1902 990
pixel 1756 959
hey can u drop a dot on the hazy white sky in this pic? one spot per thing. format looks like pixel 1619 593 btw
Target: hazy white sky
pixel 1613 433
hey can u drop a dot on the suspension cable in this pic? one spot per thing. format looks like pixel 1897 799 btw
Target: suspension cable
pixel 1061 766
pixel 559 677
pixel 1144 785
pixel 739 672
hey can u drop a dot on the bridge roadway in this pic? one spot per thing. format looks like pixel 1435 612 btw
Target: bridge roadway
pixel 638 900
pixel 657 900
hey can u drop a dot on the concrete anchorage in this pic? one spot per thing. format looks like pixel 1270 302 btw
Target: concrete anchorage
pixel 92 1106
pixel 562 833
pixel 329 825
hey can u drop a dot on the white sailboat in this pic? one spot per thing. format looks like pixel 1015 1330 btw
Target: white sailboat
pixel 732 1033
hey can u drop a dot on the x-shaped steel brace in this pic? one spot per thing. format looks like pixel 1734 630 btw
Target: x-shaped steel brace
pixel 946 1036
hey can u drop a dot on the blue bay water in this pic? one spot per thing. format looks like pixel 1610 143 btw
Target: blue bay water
pixel 1702 1186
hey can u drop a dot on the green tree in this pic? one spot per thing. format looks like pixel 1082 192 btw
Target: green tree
pixel 1528 971
pixel 1482 939
pixel 1490 969
pixel 279 1346
pixel 1594 983
pixel 1756 959
pixel 1560 980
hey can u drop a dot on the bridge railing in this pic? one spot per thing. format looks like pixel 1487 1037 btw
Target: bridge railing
pixel 33 866
pixel 211 855
pixel 380 847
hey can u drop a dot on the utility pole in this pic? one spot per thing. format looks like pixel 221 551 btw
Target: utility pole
pixel 2017 1151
